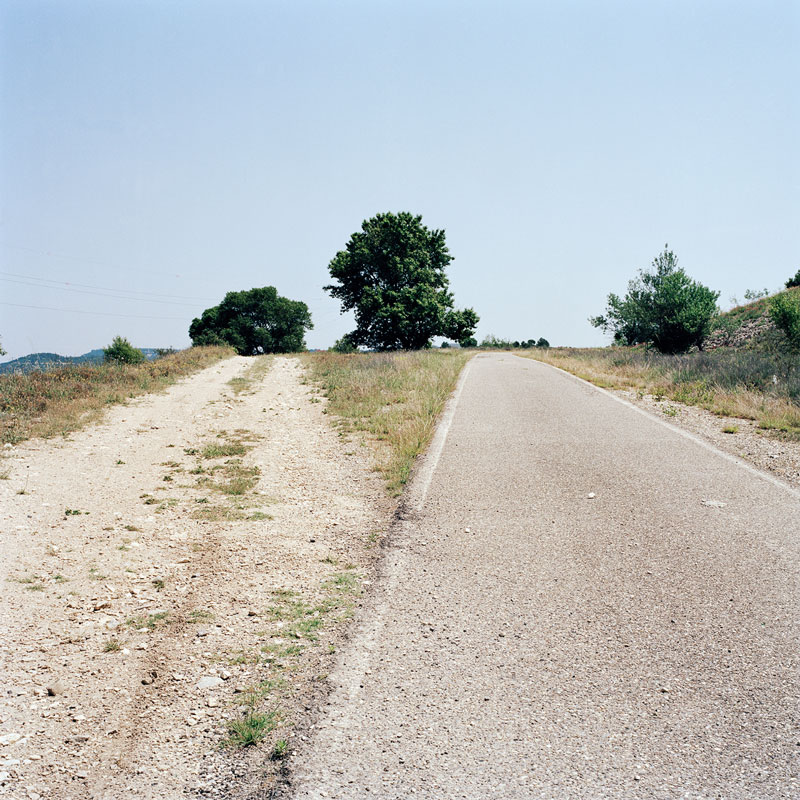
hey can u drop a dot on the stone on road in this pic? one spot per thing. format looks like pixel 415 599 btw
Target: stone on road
pixel 587 605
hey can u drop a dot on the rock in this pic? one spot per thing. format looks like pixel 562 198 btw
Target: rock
pixel 209 682
pixel 55 688
pixel 225 675
pixel 212 702
pixel 9 738
pixel 591 496
pixel 713 503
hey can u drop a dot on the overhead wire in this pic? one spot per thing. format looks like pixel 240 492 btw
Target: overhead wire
pixel 102 288
pixel 96 294
pixel 93 313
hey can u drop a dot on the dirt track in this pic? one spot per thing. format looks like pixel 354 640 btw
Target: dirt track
pixel 117 597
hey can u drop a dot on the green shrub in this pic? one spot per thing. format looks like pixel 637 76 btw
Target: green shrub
pixel 795 281
pixel 122 351
pixel 344 345
pixel 784 310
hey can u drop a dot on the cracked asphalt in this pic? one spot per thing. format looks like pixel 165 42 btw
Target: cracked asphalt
pixel 580 603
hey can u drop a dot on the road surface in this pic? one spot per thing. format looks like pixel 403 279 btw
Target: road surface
pixel 581 603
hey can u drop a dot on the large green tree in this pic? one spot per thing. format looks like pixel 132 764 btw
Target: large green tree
pixel 663 307
pixel 254 322
pixel 392 275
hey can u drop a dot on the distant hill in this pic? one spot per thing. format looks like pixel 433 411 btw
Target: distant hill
pixel 748 325
pixel 46 361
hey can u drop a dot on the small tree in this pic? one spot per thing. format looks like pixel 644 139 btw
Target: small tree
pixel 543 343
pixel 254 322
pixel 392 274
pixel 344 345
pixel 784 310
pixel 121 351
pixel 663 307
pixel 795 281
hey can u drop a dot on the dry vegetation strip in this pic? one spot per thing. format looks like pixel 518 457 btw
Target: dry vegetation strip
pixel 755 385
pixel 395 398
pixel 62 400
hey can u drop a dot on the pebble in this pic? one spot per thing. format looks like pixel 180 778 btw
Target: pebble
pixel 212 702
pixel 209 682
pixel 55 688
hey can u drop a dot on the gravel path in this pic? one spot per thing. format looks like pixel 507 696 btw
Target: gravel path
pixel 583 603
pixel 137 602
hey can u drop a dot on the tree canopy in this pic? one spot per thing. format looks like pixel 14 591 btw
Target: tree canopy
pixel 392 274
pixel 663 307
pixel 254 322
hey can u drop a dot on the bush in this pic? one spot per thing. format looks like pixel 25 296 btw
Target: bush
pixel 784 310
pixel 542 343
pixel 122 351
pixel 793 281
pixel 344 345
pixel 663 307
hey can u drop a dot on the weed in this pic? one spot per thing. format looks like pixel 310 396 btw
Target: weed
pixel 344 582
pixel 280 750
pixel 73 512
pixel 670 411
pixel 60 578
pixel 159 584
pixel 225 450
pixel 112 646
pixel 731 429
pixel 96 575
pixel 132 528
pixel 120 461
pixel 149 622
pixel 199 615
pixel 251 729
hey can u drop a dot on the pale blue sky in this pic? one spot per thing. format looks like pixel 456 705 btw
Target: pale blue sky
pixel 188 148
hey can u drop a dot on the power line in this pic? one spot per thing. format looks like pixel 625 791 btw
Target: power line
pixel 97 294
pixel 93 313
pixel 82 260
pixel 104 288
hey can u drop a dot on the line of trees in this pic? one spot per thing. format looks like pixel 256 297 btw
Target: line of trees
pixel 391 274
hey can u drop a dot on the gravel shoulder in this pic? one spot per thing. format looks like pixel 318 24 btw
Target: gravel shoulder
pixel 141 609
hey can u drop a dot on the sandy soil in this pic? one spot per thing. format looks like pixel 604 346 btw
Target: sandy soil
pixel 116 601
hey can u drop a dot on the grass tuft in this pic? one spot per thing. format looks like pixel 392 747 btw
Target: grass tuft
pixel 251 729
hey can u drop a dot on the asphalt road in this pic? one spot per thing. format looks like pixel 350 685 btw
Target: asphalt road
pixel 530 641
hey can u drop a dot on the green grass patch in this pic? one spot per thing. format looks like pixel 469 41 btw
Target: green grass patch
pixel 251 729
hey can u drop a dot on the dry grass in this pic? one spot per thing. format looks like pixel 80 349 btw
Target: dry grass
pixel 63 400
pixel 750 385
pixel 395 398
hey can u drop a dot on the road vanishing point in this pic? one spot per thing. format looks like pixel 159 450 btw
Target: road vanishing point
pixel 580 601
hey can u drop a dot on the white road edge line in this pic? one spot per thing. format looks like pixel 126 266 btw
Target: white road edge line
pixel 421 481
pixel 692 437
